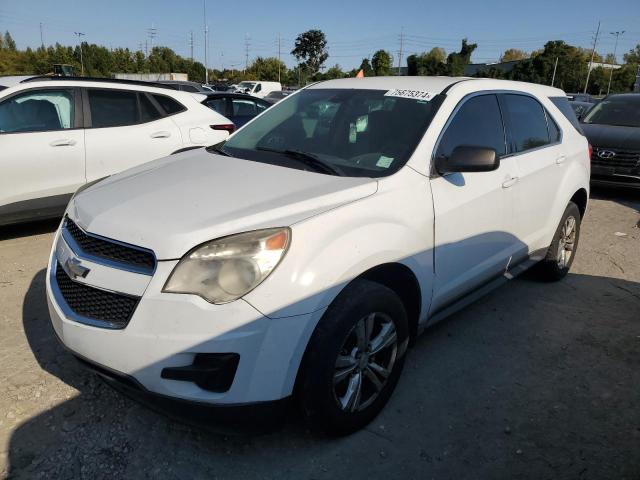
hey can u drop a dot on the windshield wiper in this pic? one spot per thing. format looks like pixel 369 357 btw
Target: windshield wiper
pixel 218 148
pixel 308 159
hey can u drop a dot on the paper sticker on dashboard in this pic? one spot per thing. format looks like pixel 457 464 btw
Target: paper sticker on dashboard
pixel 416 94
pixel 384 162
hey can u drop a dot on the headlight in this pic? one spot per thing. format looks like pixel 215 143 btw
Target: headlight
pixel 224 270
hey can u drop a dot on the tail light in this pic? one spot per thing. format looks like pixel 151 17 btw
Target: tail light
pixel 228 127
pixel 590 150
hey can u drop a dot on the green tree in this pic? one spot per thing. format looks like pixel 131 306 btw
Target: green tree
pixel 366 68
pixel 267 69
pixel 381 62
pixel 311 50
pixel 512 54
pixel 8 42
pixel 428 63
pixel 458 60
pixel 333 72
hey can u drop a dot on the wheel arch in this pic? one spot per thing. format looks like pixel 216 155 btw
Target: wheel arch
pixel 580 198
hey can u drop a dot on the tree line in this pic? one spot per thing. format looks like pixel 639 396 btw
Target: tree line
pixel 310 50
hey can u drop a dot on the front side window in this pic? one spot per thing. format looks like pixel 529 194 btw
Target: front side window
pixel 527 122
pixel 362 133
pixel 618 111
pixel 477 123
pixel 38 111
pixel 113 108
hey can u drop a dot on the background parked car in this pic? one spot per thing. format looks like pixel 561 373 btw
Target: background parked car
pixel 581 97
pixel 237 107
pixel 59 133
pixel 580 108
pixel 258 88
pixel 613 129
pixel 193 87
pixel 275 97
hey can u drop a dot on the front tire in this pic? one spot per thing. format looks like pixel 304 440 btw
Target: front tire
pixel 562 250
pixel 354 358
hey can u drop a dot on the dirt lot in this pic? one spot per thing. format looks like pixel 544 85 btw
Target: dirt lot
pixel 534 381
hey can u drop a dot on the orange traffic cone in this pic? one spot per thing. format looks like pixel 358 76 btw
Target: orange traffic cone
pixel 360 74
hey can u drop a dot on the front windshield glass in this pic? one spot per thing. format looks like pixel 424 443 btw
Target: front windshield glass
pixel 248 85
pixel 620 111
pixel 359 133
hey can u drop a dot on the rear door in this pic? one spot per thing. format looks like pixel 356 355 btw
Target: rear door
pixel 41 151
pixel 536 142
pixel 474 230
pixel 125 128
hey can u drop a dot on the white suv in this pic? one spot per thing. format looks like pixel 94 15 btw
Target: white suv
pixel 301 258
pixel 57 134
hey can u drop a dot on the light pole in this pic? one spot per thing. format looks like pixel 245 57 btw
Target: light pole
pixel 206 41
pixel 80 34
pixel 615 49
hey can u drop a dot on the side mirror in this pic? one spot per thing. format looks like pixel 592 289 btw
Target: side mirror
pixel 468 159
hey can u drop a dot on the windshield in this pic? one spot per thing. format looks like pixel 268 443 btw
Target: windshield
pixel 620 111
pixel 244 85
pixel 360 133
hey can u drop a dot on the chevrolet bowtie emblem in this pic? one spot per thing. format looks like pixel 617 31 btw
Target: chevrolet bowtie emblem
pixel 74 268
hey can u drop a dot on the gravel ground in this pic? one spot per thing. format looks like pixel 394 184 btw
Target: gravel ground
pixel 533 381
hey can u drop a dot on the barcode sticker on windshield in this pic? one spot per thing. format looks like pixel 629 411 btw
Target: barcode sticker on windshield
pixel 416 94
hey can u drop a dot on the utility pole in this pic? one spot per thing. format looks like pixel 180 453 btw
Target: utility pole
pixel 246 52
pixel 206 42
pixel 401 46
pixel 41 36
pixel 279 61
pixel 615 60
pixel 593 52
pixel 80 34
pixel 152 32
pixel 146 48
pixel 191 45
pixel 555 66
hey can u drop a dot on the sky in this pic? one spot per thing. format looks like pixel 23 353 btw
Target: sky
pixel 354 29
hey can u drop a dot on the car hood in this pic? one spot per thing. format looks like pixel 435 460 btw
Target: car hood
pixel 611 136
pixel 175 203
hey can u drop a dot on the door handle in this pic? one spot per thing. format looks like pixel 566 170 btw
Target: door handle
pixel 161 134
pixel 63 142
pixel 560 159
pixel 510 183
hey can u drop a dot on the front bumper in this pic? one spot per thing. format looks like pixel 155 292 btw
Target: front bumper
pixel 169 330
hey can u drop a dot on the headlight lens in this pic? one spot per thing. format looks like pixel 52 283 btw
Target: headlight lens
pixel 224 270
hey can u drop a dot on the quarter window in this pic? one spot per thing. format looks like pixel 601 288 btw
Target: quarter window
pixel 527 122
pixel 38 111
pixel 477 123
pixel 148 111
pixel 169 105
pixel 554 131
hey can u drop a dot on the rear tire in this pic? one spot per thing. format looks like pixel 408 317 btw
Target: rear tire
pixel 562 250
pixel 354 358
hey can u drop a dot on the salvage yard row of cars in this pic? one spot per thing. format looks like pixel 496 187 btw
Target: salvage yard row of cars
pixel 297 259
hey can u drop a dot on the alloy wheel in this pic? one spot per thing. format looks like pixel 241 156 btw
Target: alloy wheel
pixel 566 242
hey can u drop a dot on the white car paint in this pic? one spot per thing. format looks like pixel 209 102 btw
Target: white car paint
pixel 43 168
pixel 452 237
pixel 258 88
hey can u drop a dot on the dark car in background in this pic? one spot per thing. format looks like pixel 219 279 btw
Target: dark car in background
pixel 275 97
pixel 581 108
pixel 581 97
pixel 237 107
pixel 613 129
pixel 185 86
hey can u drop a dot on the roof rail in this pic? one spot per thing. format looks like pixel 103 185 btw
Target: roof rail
pixel 45 78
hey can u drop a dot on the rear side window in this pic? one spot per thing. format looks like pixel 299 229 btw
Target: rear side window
pixel 477 123
pixel 563 105
pixel 113 108
pixel 554 131
pixel 217 104
pixel 527 122
pixel 148 111
pixel 189 88
pixel 169 105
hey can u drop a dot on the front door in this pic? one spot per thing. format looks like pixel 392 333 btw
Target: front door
pixel 41 152
pixel 474 231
